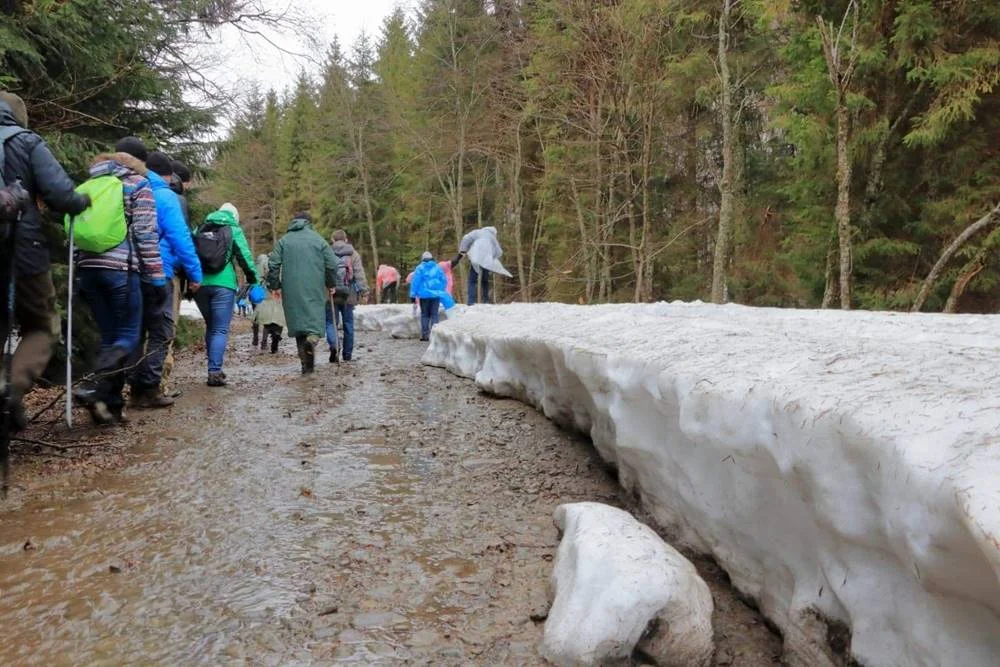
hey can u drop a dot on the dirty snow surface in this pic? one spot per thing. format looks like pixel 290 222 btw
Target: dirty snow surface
pixel 844 468
pixel 396 318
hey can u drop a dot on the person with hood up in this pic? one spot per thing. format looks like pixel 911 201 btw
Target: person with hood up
pixel 387 283
pixel 26 158
pixel 111 284
pixel 484 252
pixel 352 272
pixel 302 270
pixel 178 253
pixel 216 298
pixel 429 285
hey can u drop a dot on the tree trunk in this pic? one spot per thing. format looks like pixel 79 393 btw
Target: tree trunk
pixel 366 192
pixel 725 232
pixel 969 271
pixel 932 277
pixel 830 290
pixel 843 210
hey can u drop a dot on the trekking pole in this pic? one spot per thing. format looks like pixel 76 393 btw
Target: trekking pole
pixel 8 358
pixel 69 332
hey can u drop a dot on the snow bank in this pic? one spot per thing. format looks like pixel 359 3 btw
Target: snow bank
pixel 612 578
pixel 396 319
pixel 844 468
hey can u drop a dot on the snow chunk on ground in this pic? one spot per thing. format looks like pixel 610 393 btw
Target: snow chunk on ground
pixel 396 319
pixel 613 577
pixel 844 468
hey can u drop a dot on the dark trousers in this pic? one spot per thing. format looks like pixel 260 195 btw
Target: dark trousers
pixel 115 299
pixel 146 362
pixel 272 331
pixel 428 316
pixel 477 280
pixel 35 313
pixel 389 293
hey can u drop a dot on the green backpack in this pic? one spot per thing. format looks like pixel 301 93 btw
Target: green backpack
pixel 102 226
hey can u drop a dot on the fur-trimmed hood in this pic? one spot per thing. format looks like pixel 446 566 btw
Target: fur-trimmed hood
pixel 117 164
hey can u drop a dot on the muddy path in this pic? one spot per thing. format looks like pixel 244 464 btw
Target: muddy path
pixel 379 512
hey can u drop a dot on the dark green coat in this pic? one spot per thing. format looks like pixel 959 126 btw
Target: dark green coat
pixel 303 266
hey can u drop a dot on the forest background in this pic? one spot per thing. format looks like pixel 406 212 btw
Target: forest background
pixel 767 152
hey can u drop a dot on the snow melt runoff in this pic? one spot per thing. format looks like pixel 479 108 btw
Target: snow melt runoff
pixel 844 468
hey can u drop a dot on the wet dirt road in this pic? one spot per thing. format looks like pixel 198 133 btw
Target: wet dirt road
pixel 379 512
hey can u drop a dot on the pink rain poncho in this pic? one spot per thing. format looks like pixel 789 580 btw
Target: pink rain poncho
pixel 446 267
pixel 386 275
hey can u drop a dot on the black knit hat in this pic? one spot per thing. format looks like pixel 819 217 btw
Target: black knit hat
pixel 302 215
pixel 181 170
pixel 133 146
pixel 159 163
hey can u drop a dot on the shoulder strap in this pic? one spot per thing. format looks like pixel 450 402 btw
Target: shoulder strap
pixel 7 132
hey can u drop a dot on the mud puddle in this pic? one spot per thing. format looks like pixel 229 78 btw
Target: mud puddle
pixel 379 512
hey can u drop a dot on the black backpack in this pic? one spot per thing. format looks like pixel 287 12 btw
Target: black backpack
pixel 213 243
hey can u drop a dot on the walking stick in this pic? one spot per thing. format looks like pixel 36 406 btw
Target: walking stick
pixel 69 333
pixel 8 358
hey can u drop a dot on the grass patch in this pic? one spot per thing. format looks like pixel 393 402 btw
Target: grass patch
pixel 190 332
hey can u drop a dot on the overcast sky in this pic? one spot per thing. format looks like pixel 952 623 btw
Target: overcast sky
pixel 249 58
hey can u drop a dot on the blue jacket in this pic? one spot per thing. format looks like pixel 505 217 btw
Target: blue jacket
pixel 429 281
pixel 176 243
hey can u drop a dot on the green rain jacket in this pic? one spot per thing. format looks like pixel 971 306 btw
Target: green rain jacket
pixel 303 266
pixel 240 252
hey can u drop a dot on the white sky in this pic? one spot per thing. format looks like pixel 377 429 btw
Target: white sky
pixel 251 58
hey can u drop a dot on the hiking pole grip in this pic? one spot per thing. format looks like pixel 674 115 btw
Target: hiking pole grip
pixel 69 331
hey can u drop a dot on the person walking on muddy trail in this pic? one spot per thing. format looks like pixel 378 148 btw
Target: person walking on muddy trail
pixel 220 242
pixel 25 158
pixel 178 254
pixel 302 270
pixel 269 317
pixel 118 261
pixel 351 283
pixel 430 287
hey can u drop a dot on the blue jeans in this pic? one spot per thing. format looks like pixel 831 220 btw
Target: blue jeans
pixel 146 362
pixel 482 278
pixel 345 312
pixel 428 316
pixel 115 299
pixel 331 328
pixel 216 306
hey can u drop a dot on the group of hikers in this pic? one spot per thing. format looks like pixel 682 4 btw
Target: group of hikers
pixel 135 255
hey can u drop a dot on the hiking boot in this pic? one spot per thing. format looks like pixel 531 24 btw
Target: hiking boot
pixel 274 344
pixel 90 398
pixel 151 399
pixel 333 356
pixel 308 356
pixel 216 379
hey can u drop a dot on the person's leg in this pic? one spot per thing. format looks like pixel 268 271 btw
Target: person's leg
pixel 347 319
pixel 425 319
pixel 115 298
pixel 35 313
pixel 168 363
pixel 158 330
pixel 485 279
pixel 435 311
pixel 331 332
pixel 222 316
pixel 473 286
pixel 255 328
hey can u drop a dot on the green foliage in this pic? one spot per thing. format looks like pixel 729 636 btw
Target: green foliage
pixel 589 134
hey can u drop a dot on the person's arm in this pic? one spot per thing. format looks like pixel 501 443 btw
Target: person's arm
pixel 358 268
pixel 415 284
pixel 329 266
pixel 142 207
pixel 274 266
pixel 457 259
pixel 54 185
pixel 180 240
pixel 466 242
pixel 244 257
